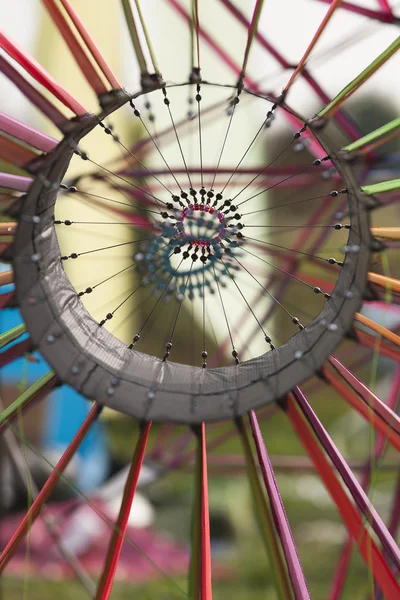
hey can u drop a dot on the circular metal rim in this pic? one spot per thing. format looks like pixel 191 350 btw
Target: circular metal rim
pixel 103 369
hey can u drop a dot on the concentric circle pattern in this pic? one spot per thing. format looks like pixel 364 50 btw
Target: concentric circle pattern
pixel 211 249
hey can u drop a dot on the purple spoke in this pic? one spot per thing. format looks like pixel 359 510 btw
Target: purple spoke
pixel 349 479
pixel 279 514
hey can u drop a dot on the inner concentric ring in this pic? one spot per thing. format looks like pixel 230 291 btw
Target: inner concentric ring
pixel 96 363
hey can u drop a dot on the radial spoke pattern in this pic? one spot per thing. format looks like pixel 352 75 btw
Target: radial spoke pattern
pixel 204 258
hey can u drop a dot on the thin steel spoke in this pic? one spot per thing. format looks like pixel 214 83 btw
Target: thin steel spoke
pixel 317 290
pixel 234 351
pixel 316 163
pixel 168 346
pixel 269 165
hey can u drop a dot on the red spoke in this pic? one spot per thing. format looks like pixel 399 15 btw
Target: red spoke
pixel 200 562
pixel 367 547
pixel 349 479
pixel 117 539
pixel 47 489
pixel 41 76
pixel 75 48
pixel 16 351
pixel 300 67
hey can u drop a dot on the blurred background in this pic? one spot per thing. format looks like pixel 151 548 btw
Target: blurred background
pixel 154 561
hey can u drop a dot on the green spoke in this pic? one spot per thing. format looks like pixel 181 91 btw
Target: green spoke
pixel 12 334
pixel 382 187
pixel 264 517
pixel 47 381
pixel 361 78
pixel 385 130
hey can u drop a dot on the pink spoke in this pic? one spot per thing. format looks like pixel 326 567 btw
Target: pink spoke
pixel 366 12
pixel 355 401
pixel 385 6
pixel 381 409
pixel 15 182
pixel 41 76
pixel 27 134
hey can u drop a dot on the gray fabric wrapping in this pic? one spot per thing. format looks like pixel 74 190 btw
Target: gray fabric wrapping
pixel 101 367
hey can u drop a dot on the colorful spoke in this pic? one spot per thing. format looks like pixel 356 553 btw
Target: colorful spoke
pixel 163 189
pixel 117 539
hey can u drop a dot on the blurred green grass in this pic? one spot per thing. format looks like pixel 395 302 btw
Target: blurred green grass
pixel 241 566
